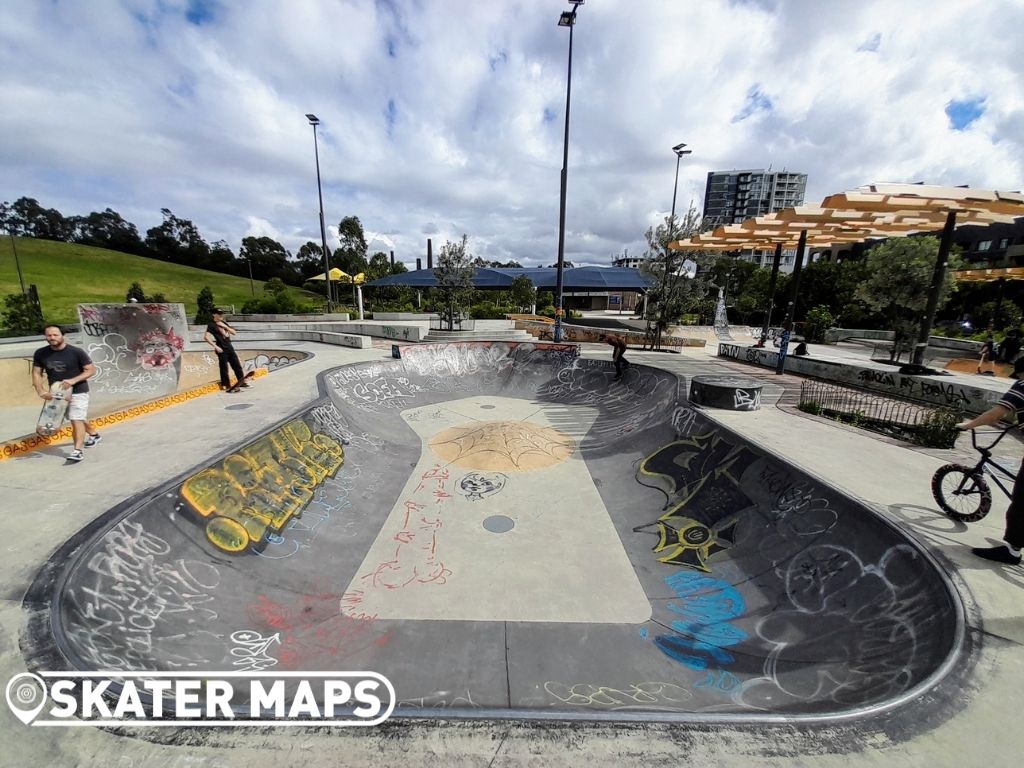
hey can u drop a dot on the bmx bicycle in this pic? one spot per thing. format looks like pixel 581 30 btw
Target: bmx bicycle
pixel 962 492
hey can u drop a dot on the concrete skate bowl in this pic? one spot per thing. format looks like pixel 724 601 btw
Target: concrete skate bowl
pixel 503 531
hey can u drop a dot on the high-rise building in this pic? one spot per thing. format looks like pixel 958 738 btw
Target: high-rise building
pixel 731 197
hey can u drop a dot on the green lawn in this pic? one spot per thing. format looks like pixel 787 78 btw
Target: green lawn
pixel 66 274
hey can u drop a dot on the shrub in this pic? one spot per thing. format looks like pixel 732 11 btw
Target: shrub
pixel 811 406
pixel 21 316
pixel 818 320
pixel 205 305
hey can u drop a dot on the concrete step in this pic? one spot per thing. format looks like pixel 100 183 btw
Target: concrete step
pixel 479 335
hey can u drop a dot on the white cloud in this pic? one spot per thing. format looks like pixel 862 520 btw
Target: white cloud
pixel 446 118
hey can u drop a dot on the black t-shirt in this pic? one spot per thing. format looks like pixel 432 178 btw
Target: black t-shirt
pixel 223 340
pixel 61 364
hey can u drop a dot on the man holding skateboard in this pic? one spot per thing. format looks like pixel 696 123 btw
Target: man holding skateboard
pixel 218 335
pixel 72 367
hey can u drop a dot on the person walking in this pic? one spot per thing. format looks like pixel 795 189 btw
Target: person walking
pixel 988 354
pixel 59 361
pixel 218 335
pixel 618 345
pixel 1012 402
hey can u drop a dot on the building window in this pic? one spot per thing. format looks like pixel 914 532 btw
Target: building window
pixel 985 245
pixel 1004 243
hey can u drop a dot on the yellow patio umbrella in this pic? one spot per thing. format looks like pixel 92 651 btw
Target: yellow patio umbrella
pixel 335 273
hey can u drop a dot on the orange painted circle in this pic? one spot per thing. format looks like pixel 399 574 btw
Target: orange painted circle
pixel 506 446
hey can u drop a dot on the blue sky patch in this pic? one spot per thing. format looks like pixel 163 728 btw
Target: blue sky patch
pixel 962 113
pixel 872 43
pixel 200 12
pixel 390 114
pixel 756 102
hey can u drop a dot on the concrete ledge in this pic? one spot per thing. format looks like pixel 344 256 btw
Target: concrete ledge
pixel 832 335
pixel 580 333
pixel 731 393
pixel 334 317
pixel 294 334
pixel 28 443
pixel 400 316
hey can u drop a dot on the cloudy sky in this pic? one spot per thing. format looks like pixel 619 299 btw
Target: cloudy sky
pixel 444 117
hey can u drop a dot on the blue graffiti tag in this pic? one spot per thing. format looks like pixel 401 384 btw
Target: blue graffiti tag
pixel 704 631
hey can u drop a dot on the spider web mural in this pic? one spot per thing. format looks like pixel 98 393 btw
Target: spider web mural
pixel 515 446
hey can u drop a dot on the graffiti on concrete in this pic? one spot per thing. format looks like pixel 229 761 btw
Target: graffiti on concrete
pixel 477 486
pixel 252 651
pixel 516 446
pixel 256 491
pixel 416 560
pixel 700 477
pixel 869 615
pixel 133 601
pixel 703 630
pixel 747 399
pixel 646 696
pixel 271 361
pixel 441 700
pixel 136 348
pixel 311 631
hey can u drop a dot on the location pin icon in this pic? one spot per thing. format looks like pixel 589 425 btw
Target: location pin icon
pixel 26 696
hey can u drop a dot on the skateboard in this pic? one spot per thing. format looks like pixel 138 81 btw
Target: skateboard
pixel 245 380
pixel 51 418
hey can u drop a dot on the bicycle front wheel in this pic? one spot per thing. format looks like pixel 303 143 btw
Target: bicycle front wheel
pixel 961 492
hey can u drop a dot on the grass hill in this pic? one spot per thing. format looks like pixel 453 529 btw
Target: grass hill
pixel 66 274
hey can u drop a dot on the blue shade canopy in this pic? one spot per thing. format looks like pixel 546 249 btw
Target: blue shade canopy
pixel 543 278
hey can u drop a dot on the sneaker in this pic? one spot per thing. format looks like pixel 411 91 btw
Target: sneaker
pixel 1000 554
pixel 91 440
pixel 77 455
pixel 243 384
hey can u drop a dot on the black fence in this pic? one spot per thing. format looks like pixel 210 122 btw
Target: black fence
pixel 916 422
pixel 457 323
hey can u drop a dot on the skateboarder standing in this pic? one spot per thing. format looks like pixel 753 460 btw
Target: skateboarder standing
pixel 218 335
pixel 618 354
pixel 72 366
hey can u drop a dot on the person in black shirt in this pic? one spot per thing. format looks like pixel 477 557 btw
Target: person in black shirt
pixel 218 335
pixel 62 362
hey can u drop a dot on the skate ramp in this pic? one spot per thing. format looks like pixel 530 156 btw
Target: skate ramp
pixel 502 530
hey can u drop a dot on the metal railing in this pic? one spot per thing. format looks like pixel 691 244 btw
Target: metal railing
pixel 916 422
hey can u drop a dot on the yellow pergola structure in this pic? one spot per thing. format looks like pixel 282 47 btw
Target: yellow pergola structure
pixel 872 212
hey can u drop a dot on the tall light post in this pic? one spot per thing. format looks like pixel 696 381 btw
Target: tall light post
pixel 567 19
pixel 252 285
pixel 315 121
pixel 680 151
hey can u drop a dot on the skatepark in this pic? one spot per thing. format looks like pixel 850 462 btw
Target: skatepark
pixel 514 539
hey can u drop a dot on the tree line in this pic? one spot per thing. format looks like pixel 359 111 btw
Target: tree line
pixel 178 241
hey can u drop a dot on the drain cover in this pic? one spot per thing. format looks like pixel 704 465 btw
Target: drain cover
pixel 499 524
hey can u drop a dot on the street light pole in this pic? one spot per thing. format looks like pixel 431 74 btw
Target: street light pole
pixel 678 149
pixel 315 121
pixel 252 285
pixel 567 19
